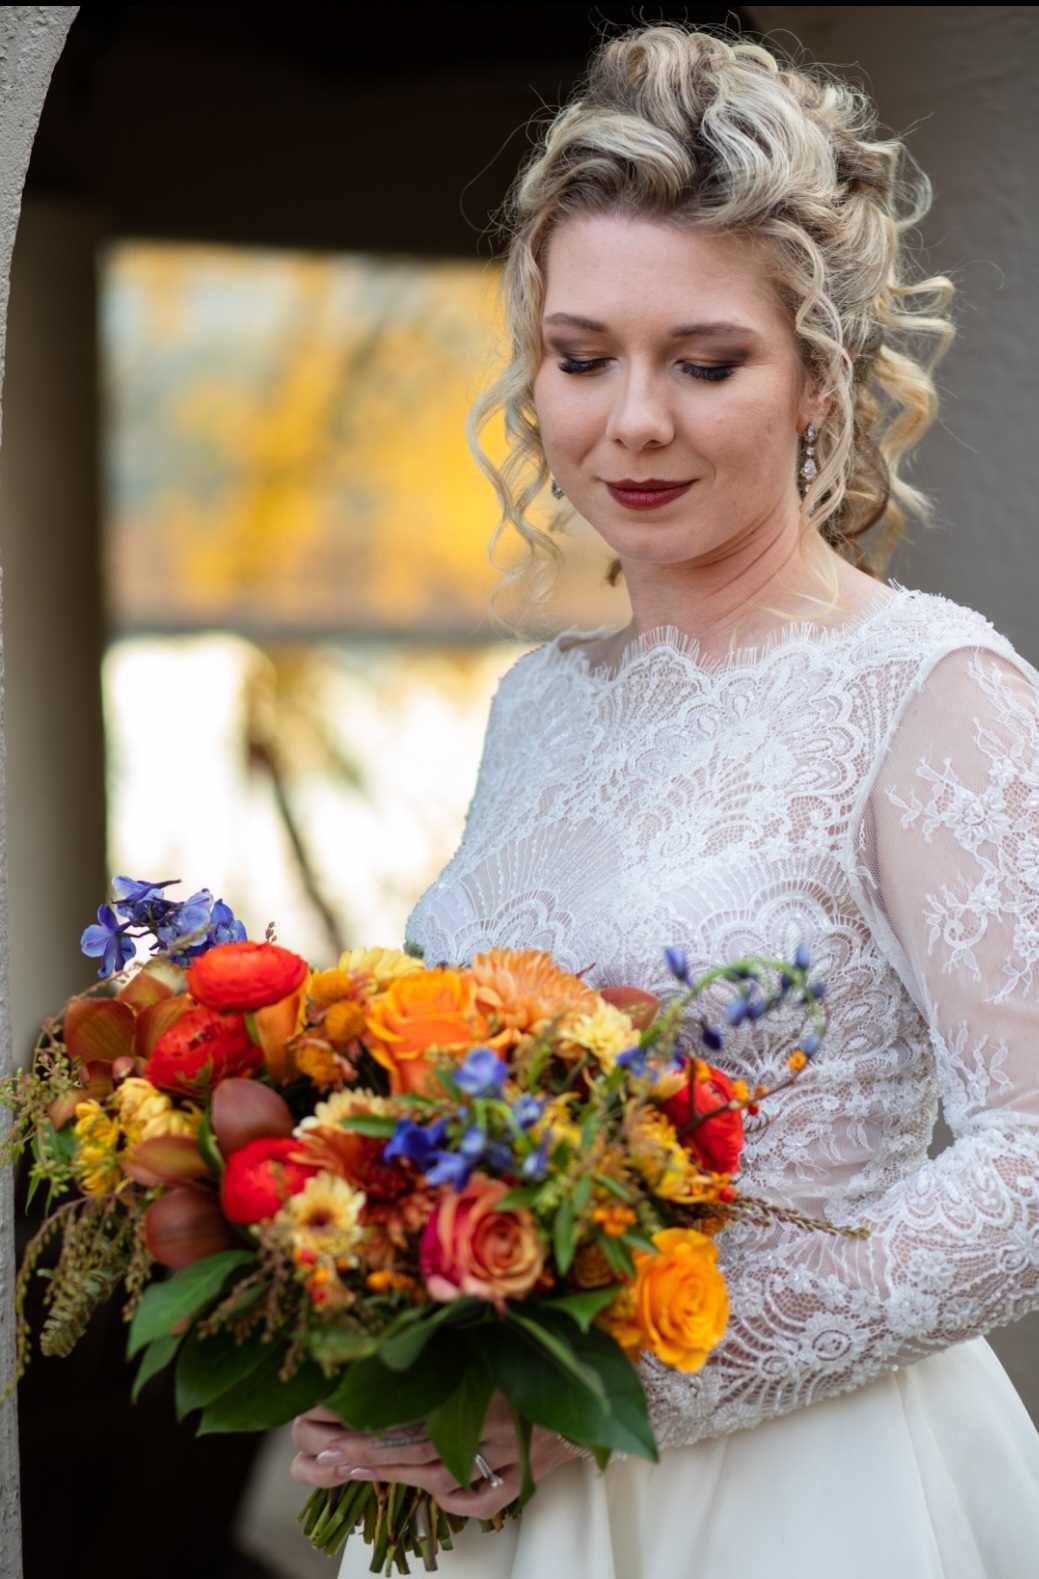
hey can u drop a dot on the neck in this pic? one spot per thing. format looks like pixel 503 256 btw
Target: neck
pixel 741 598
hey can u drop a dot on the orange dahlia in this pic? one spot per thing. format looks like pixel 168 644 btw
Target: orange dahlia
pixel 520 991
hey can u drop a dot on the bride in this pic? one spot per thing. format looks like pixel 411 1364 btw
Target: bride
pixel 720 360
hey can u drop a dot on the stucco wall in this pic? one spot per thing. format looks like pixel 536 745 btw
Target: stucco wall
pixel 962 79
pixel 31 39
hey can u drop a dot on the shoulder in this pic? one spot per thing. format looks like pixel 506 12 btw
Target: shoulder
pixel 924 628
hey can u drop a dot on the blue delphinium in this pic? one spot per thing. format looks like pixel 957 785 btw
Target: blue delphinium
pixel 181 929
pixel 481 1074
pixel 109 940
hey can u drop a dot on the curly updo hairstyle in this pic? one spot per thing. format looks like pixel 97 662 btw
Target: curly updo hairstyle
pixel 693 130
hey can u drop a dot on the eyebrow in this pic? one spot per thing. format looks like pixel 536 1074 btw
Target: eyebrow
pixel 686 331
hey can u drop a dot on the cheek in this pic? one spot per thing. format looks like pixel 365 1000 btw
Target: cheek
pixel 569 426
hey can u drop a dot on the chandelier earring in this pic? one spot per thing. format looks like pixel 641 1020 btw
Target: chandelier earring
pixel 556 490
pixel 809 466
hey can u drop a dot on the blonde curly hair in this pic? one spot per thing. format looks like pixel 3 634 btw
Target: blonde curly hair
pixel 692 129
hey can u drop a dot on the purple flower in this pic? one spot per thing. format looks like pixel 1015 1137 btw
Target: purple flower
pixel 447 1167
pixel 677 963
pixel 224 927
pixel 526 1110
pixel 108 939
pixel 482 1074
pixel 802 958
pixel 811 1045
pixel 536 1165
pixel 634 1060
pixel 413 1142
pixel 712 1037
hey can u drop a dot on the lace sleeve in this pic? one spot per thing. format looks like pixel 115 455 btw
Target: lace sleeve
pixel 948 863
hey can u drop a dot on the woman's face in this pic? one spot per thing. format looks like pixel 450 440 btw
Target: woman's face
pixel 670 395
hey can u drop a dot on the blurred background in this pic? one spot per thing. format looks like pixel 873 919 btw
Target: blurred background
pixel 244 544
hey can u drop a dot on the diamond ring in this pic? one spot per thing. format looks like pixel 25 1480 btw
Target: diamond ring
pixel 490 1476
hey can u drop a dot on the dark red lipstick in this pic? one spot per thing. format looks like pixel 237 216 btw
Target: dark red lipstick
pixel 650 494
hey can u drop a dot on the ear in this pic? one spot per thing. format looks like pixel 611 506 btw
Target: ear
pixel 815 409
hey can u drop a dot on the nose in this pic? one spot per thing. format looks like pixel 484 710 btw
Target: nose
pixel 640 417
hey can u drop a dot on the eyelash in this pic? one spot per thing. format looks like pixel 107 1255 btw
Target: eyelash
pixel 707 375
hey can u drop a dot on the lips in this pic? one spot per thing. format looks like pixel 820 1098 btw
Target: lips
pixel 650 494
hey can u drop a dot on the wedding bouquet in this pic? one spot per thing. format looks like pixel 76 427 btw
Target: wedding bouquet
pixel 389 1188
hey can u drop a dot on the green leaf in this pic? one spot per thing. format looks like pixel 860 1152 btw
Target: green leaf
pixel 334 1345
pixel 638 1241
pixel 454 1428
pixel 581 1194
pixel 614 1186
pixel 523 1433
pixel 182 1296
pixel 401 1349
pixel 523 1197
pixel 584 1307
pixel 535 1387
pixel 563 1235
pixel 370 1397
pixel 626 1427
pixel 209 1367
pixel 618 1256
pixel 211 1153
pixel 262 1400
pixel 369 1124
pixel 560 1348
pixel 155 1358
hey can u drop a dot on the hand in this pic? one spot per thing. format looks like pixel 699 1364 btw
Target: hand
pixel 330 1453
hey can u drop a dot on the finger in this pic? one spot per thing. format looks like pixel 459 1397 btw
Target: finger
pixel 485 1499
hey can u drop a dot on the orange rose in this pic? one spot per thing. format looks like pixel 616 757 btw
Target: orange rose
pixel 425 1011
pixel 678 1306
pixel 470 1247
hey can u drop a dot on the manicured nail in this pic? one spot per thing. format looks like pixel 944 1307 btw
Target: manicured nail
pixel 332 1457
pixel 358 1474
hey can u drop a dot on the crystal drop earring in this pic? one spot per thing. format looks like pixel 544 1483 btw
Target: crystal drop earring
pixel 809 467
pixel 556 491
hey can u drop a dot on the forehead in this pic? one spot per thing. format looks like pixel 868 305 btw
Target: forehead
pixel 618 269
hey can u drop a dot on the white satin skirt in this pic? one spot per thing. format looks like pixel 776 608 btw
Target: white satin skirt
pixel 931 1472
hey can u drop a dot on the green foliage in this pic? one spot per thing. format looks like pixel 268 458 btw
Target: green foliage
pixel 370 1397
pixel 183 1296
pixel 266 1397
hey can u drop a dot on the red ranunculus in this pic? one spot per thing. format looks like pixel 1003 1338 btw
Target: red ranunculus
pixel 261 1176
pixel 717 1142
pixel 242 976
pixel 200 1049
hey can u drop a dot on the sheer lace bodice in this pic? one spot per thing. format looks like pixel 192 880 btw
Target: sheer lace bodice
pixel 874 794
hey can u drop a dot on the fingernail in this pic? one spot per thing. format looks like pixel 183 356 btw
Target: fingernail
pixel 359 1474
pixel 332 1457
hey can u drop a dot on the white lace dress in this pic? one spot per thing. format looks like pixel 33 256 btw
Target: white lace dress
pixel 873 793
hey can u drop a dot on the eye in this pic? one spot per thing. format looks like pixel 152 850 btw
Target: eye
pixel 574 364
pixel 708 373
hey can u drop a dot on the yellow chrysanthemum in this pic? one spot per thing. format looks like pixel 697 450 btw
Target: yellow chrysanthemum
pixel 664 1163
pixel 383 965
pixel 145 1112
pixel 556 1124
pixel 325 1218
pixel 346 1104
pixel 97 1134
pixel 606 1033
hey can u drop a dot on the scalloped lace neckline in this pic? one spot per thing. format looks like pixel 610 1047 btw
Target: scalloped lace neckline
pixel 568 647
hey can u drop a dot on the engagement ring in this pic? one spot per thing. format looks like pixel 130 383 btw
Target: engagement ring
pixel 490 1476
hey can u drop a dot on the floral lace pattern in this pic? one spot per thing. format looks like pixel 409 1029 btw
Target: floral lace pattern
pixel 872 793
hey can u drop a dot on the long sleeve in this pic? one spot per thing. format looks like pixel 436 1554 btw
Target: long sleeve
pixel 946 858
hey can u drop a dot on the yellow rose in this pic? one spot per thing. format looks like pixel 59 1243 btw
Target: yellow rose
pixel 681 1302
